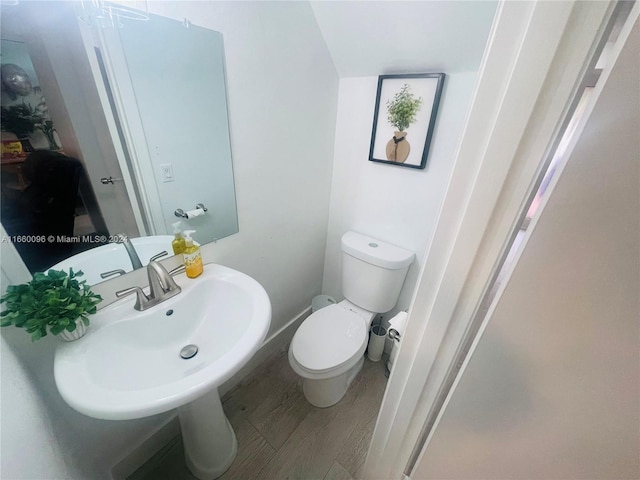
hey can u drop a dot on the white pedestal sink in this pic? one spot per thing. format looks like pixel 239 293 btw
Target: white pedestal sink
pixel 210 444
pixel 128 365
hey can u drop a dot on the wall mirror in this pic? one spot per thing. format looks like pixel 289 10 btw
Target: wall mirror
pixel 138 115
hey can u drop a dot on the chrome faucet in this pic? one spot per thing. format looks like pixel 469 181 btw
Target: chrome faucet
pixel 161 283
pixel 162 287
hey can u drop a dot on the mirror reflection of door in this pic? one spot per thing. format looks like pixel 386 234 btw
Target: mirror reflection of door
pixel 43 191
pixel 64 94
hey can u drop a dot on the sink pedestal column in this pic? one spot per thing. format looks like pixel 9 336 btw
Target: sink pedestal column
pixel 210 445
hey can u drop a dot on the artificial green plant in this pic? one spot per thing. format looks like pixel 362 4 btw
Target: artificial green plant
pixel 51 301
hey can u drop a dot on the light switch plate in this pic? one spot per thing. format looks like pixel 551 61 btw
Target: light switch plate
pixel 166 170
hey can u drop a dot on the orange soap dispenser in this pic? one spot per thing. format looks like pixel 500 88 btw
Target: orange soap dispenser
pixel 192 256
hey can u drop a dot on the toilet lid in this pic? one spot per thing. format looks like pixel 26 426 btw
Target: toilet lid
pixel 328 338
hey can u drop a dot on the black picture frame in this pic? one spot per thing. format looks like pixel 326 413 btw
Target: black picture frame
pixel 388 144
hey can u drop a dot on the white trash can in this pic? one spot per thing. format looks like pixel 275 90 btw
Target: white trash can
pixel 376 343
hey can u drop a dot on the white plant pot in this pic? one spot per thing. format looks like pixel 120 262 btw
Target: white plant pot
pixel 79 332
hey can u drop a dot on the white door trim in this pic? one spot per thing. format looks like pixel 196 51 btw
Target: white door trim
pixel 625 37
pixel 124 99
pixel 90 38
pixel 536 55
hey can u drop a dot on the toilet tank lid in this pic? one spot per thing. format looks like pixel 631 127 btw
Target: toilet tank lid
pixel 375 251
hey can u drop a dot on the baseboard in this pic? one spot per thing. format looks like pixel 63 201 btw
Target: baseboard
pixel 275 343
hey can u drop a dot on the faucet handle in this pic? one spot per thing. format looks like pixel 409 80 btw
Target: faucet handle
pixel 112 273
pixel 179 269
pixel 141 300
pixel 158 255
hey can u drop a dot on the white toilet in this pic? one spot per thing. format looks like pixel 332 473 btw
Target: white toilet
pixel 327 350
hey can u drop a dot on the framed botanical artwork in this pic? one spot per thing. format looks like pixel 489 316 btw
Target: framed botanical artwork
pixel 404 118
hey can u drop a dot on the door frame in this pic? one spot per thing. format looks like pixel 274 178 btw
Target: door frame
pixel 124 126
pixel 536 57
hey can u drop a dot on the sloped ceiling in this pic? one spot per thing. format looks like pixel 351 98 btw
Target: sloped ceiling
pixel 377 37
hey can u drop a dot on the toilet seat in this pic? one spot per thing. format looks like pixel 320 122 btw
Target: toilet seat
pixel 329 339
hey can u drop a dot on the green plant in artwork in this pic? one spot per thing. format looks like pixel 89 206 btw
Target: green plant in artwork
pixel 51 301
pixel 403 108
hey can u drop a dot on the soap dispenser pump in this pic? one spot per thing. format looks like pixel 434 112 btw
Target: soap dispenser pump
pixel 192 257
pixel 178 244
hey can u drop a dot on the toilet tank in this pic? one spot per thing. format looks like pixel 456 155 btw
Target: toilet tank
pixel 373 271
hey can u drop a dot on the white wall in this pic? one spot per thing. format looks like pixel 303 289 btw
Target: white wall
pixel 391 203
pixel 553 386
pixel 26 429
pixel 400 36
pixel 282 93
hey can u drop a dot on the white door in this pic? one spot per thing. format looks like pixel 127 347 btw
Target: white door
pixel 552 387
pixel 536 55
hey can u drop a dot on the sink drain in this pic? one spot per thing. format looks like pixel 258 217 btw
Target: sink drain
pixel 189 351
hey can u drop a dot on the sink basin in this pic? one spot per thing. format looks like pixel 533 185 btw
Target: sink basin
pixel 128 365
pixel 114 256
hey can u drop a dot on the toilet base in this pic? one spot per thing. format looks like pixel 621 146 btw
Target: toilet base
pixel 329 391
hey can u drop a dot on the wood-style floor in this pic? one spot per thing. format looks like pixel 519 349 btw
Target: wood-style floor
pixel 281 436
